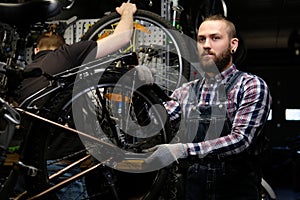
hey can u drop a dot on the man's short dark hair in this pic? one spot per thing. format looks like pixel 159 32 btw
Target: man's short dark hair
pixel 50 40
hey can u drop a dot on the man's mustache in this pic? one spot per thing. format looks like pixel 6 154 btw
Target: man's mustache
pixel 205 53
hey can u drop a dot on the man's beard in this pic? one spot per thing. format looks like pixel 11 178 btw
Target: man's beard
pixel 217 64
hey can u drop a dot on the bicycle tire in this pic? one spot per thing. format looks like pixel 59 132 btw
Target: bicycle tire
pixel 164 42
pixel 139 182
pixel 59 109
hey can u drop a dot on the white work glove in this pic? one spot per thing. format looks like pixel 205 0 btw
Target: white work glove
pixel 166 154
pixel 144 74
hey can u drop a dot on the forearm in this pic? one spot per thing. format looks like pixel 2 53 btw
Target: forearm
pixel 122 33
pixel 223 146
pixel 124 28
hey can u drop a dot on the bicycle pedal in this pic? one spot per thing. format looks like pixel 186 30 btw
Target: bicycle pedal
pixel 26 169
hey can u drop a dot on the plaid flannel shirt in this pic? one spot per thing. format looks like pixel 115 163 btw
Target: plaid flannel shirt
pixel 248 105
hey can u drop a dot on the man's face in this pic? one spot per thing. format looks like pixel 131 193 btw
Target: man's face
pixel 214 46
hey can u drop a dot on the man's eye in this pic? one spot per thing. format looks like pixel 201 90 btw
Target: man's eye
pixel 215 38
pixel 201 40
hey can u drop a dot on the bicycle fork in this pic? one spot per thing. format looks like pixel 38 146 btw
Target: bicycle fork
pixel 9 120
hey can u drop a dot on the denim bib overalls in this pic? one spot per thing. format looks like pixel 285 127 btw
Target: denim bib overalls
pixel 213 177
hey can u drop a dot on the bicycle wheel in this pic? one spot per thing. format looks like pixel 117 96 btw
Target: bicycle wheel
pixel 158 44
pixel 112 103
pixel 142 185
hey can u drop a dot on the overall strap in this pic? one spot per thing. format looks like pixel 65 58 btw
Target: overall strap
pixel 194 89
pixel 233 80
pixel 228 86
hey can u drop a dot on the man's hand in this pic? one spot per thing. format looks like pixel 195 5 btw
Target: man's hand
pixel 144 74
pixel 166 154
pixel 126 7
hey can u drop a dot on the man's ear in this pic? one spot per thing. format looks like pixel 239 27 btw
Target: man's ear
pixel 234 44
pixel 36 50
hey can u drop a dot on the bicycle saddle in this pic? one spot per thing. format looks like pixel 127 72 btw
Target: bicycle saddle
pixel 29 12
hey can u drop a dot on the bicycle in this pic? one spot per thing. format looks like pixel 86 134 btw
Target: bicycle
pixel 108 121
pixel 38 170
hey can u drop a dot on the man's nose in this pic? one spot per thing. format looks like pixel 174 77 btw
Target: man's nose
pixel 207 44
